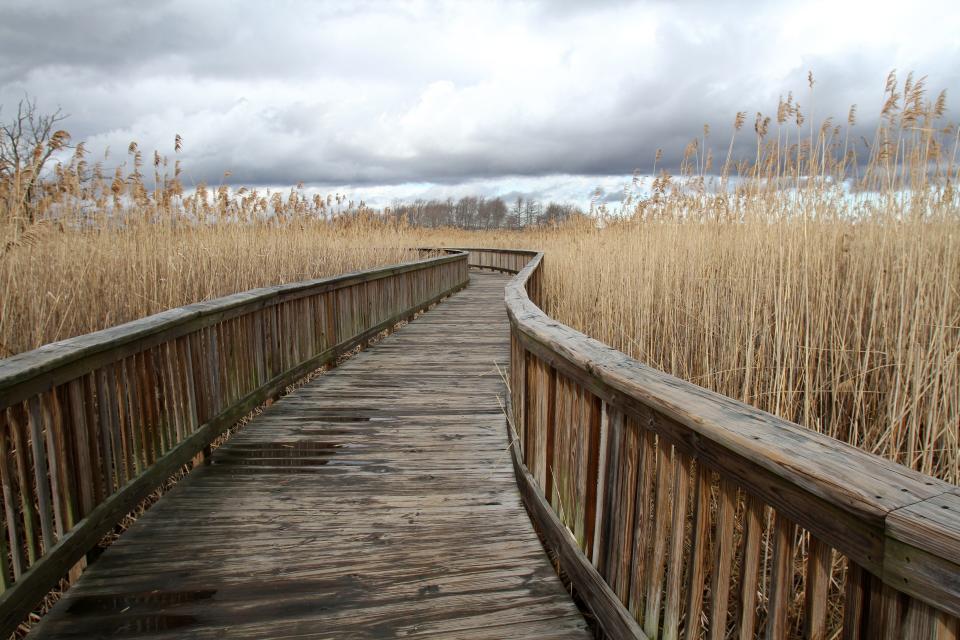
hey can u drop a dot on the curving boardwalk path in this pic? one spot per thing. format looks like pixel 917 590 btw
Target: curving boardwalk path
pixel 378 501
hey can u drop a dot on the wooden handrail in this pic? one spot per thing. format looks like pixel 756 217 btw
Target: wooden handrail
pixel 91 425
pixel 656 493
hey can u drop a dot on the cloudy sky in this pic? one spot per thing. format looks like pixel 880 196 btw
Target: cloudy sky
pixel 391 100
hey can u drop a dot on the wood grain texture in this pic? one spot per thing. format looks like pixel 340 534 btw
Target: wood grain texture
pixel 377 501
pixel 896 525
pixel 102 440
pixel 56 363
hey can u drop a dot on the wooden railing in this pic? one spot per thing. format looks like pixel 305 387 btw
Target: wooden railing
pixel 676 511
pixel 91 425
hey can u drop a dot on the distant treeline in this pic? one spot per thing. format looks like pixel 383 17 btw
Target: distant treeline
pixel 472 212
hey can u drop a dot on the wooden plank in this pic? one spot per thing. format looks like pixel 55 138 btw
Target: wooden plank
pixel 790 468
pixel 84 472
pixel 612 616
pixel 816 588
pixel 658 548
pixel 781 578
pixel 106 407
pixel 624 506
pixel 722 559
pixel 699 552
pixel 946 627
pixel 641 534
pixel 601 512
pixel 17 422
pixel 675 561
pixel 856 603
pixel 17 601
pixel 399 514
pixel 754 518
pixel 44 503
pixel 10 513
pixel 33 372
pixel 922 551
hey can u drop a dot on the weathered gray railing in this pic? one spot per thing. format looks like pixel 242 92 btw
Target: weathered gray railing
pixel 91 425
pixel 677 511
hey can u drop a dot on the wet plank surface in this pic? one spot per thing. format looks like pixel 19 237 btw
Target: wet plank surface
pixel 377 501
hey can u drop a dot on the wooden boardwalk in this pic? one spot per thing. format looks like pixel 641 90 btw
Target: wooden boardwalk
pixel 378 501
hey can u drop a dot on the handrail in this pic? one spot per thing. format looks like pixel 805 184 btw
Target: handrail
pixel 617 464
pixel 91 425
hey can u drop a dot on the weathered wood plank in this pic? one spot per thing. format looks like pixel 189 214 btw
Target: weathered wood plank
pixel 356 506
pixel 128 399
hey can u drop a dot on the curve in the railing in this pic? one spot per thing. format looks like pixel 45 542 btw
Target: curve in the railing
pixel 673 508
pixel 92 425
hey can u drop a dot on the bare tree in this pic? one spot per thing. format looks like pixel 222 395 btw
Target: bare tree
pixel 26 144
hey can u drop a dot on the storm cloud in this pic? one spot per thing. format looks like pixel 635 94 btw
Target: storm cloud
pixel 401 99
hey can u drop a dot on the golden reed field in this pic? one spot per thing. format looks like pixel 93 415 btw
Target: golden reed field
pixel 818 280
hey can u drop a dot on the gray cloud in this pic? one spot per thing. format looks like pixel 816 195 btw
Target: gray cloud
pixel 370 94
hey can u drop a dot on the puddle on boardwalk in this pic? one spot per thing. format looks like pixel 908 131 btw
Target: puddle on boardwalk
pixel 303 453
pixel 120 602
pixel 137 625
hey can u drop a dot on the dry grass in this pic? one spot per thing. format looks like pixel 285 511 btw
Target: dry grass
pixel 850 329
pixel 68 281
pixel 818 281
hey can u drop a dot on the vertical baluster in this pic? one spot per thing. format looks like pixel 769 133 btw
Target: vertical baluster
pixel 276 364
pixel 94 428
pixel 647 465
pixel 236 362
pixel 946 627
pixel 5 578
pixel 186 362
pixel 132 420
pixel 228 362
pixel 681 485
pixel 259 343
pixel 40 470
pixel 750 565
pixel 699 548
pixel 217 390
pixel 590 445
pixel 333 318
pixel 781 577
pixel 128 454
pixel 600 488
pixel 84 468
pixel 158 398
pixel 609 493
pixel 250 382
pixel 856 602
pixel 141 423
pixel 17 421
pixel 886 611
pixel 107 408
pixel 174 392
pixel 722 559
pixel 309 328
pixel 658 552
pixel 624 506
pixel 197 364
pixel 919 621
pixel 242 356
pixel 289 344
pixel 9 510
pixel 58 454
pixel 819 568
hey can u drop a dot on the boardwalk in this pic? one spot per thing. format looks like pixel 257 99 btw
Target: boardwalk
pixel 377 501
